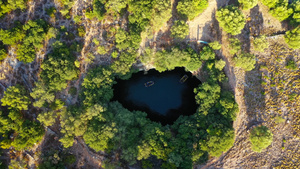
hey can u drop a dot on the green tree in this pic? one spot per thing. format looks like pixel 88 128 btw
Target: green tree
pixel 207 53
pixel 260 43
pixel 47 118
pixel 191 8
pixel 3 53
pixel 81 31
pixel 231 19
pixel 97 86
pixel 42 94
pixel 281 11
pixel 292 38
pixel 260 137
pixel 245 61
pixel 10 5
pixel 16 98
pixel 195 60
pixel 270 3
pixel 180 29
pixel 220 64
pixel 215 45
pixel 218 142
pixel 248 4
pixel 296 15
pixel 234 46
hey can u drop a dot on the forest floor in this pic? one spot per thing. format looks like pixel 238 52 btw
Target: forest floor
pixel 258 92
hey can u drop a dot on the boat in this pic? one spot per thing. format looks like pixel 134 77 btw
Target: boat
pixel 183 79
pixel 149 83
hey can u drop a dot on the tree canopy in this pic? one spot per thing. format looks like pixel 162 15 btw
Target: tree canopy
pixel 260 137
pixel 190 8
pixel 231 19
pixel 292 38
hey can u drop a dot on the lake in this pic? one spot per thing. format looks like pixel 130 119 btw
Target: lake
pixel 165 100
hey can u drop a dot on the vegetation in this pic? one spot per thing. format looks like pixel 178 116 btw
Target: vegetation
pixel 292 38
pixel 180 30
pixel 260 43
pixel 261 137
pixel 281 11
pixel 215 45
pixel 269 3
pixel 28 38
pixel 16 98
pixel 248 4
pixel 190 8
pixel 234 46
pixel 10 5
pixel 231 19
pixel 245 61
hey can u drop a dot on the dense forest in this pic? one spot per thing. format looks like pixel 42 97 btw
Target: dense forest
pixel 67 59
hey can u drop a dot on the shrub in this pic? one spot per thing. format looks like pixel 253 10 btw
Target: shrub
pixel 3 53
pixel 215 45
pixel 16 98
pixel 245 61
pixel 231 19
pixel 248 4
pixel 281 11
pixel 180 30
pixel 291 65
pixel 191 8
pixel 81 31
pixel 292 38
pixel 296 15
pixel 207 53
pixel 269 3
pixel 260 43
pixel 234 46
pixel 220 64
pixel 102 50
pixel 260 137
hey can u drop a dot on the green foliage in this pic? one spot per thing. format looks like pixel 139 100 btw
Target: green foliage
pixel 270 3
pixel 296 15
pixel 180 29
pixel 66 6
pixel 42 94
pixel 10 5
pixel 146 164
pixel 220 64
pixel 81 31
pixel 260 137
pixel 12 36
pixel 16 98
pixel 248 4
pixel 3 53
pixel 25 133
pixel 47 118
pixel 28 38
pixel 115 5
pixel 207 53
pixel 77 19
pixel 291 64
pixel 14 164
pixel 97 86
pixel 218 142
pixel 206 95
pixel 97 12
pixel 281 11
pixel 195 60
pixel 292 38
pixel 260 43
pixel 51 12
pixel 168 60
pixel 215 45
pixel 245 61
pixel 234 46
pixel 191 8
pixel 58 68
pixel 102 50
pixel 231 19
pixel 122 66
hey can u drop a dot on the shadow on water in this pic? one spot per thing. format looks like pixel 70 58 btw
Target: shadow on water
pixel 165 101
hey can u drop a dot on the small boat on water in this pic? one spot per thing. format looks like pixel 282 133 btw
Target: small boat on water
pixel 183 79
pixel 149 83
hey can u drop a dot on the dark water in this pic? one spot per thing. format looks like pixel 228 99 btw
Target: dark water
pixel 164 101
